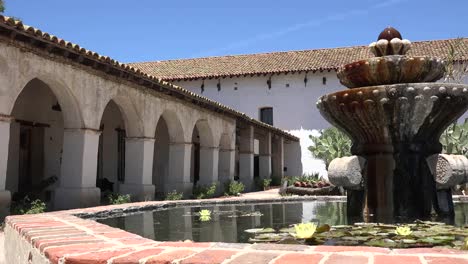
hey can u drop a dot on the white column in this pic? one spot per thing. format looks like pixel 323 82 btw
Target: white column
pixel 5 196
pixel 265 157
pixel 79 168
pixel 179 169
pixel 227 161
pixel 278 159
pixel 138 169
pixel 209 158
pixel 246 157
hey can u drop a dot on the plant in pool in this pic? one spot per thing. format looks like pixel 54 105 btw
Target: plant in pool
pixel 119 198
pixel 234 188
pixel 204 192
pixel 304 230
pixel 173 196
pixel 205 215
pixel 403 231
pixel 416 234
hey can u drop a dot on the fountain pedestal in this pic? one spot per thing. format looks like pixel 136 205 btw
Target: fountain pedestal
pixel 395 127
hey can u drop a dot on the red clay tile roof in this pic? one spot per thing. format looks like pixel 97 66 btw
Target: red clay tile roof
pixel 12 30
pixel 282 62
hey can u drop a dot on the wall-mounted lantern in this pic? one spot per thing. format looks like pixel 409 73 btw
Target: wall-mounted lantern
pixel 269 82
pixel 305 80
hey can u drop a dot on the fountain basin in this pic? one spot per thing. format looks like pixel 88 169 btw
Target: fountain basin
pixel 391 69
pixel 386 113
pixel 396 128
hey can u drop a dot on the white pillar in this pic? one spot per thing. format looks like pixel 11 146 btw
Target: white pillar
pixel 209 158
pixel 246 158
pixel 265 157
pixel 138 169
pixel 179 169
pixel 79 168
pixel 227 163
pixel 278 159
pixel 5 196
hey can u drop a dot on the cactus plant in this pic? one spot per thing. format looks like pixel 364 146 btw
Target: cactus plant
pixel 331 144
pixel 454 140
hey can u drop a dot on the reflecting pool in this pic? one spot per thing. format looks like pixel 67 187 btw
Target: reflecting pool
pixel 227 223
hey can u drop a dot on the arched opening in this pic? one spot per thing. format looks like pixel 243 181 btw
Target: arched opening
pixel 204 158
pixel 161 158
pixel 195 160
pixel 36 142
pixel 111 151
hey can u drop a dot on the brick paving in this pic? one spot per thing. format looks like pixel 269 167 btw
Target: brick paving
pixel 64 238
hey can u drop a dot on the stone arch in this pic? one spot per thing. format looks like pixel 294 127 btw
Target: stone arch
pixel 174 125
pixel 133 121
pixel 205 133
pixel 204 155
pixel 41 110
pixel 69 106
pixel 161 154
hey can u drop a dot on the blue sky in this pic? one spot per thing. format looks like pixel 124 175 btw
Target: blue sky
pixel 146 30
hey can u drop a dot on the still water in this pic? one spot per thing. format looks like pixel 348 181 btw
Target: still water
pixel 228 222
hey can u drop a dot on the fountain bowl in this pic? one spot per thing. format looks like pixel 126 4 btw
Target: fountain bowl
pixel 391 69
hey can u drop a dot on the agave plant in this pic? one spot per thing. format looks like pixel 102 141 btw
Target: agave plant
pixel 331 144
pixel 454 140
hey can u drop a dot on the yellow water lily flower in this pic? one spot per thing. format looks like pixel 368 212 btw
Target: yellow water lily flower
pixel 403 231
pixel 304 230
pixel 205 212
pixel 205 218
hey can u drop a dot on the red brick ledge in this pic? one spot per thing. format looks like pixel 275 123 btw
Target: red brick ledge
pixel 62 237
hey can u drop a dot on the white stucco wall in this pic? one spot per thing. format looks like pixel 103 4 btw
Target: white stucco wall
pixel 292 100
pixel 293 104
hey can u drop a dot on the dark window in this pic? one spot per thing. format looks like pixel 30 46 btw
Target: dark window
pixel 266 115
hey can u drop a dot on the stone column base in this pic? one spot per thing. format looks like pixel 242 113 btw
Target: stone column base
pixel 138 192
pixel 69 198
pixel 249 185
pixel 5 202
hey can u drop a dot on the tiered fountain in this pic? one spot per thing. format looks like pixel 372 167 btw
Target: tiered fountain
pixel 394 113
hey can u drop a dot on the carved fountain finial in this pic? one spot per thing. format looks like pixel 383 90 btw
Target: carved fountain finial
pixel 389 33
pixel 390 65
pixel 390 42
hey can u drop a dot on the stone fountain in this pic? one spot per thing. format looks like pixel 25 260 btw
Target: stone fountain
pixel 394 113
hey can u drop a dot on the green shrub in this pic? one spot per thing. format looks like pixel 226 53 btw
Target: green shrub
pixel 262 184
pixel 173 196
pixel 331 144
pixel 454 140
pixel 266 183
pixel 26 206
pixel 234 188
pixel 119 198
pixel 204 192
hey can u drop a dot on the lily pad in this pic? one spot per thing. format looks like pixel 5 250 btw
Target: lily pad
pixel 260 230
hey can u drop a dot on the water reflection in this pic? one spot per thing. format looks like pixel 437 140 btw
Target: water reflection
pixel 229 222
